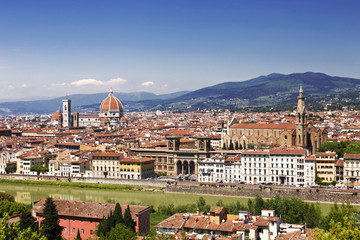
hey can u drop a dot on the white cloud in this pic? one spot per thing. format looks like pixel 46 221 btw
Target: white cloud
pixel 89 81
pixel 116 81
pixel 94 82
pixel 24 85
pixel 148 84
pixel 11 87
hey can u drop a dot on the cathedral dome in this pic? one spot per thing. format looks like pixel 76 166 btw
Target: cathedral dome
pixel 56 115
pixel 111 104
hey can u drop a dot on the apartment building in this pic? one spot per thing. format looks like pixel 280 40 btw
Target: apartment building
pixel 287 166
pixel 325 166
pixel 255 166
pixel 352 169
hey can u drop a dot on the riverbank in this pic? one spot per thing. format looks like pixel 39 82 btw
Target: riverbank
pixel 72 184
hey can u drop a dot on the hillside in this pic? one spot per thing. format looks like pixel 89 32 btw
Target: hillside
pixel 271 90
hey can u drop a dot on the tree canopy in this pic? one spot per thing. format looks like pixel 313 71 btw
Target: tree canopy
pixel 50 225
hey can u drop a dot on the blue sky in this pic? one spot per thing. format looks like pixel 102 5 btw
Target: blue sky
pixel 50 48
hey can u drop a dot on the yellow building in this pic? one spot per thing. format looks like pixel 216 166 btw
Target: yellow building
pixel 116 165
pixel 136 168
pixel 325 166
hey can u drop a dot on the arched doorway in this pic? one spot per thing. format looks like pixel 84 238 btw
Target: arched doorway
pixel 192 167
pixel 185 167
pixel 179 167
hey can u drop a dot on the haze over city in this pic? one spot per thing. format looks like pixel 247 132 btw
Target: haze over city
pixel 54 48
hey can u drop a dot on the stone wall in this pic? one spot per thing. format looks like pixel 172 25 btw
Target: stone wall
pixel 308 194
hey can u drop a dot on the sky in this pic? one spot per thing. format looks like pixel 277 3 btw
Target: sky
pixel 55 48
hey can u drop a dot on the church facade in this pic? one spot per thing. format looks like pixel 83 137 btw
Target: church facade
pixel 111 113
pixel 301 134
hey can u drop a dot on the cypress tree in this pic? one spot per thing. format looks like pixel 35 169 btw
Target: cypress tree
pixel 118 214
pixel 128 219
pixel 231 145
pixel 50 225
pixel 27 220
pixel 78 237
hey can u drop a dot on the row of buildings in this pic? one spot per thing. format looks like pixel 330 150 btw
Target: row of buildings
pixel 218 224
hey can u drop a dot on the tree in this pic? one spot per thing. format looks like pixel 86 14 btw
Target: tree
pixel 13 232
pixel 78 237
pixel 231 145
pixel 120 232
pixel 259 205
pixel 201 203
pixel 6 197
pixel 28 221
pixel 345 229
pixel 50 225
pixel 128 221
pixel 11 168
pixel 118 214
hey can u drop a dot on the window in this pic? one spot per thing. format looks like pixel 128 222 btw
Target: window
pixel 91 232
pixel 65 229
pixel 82 231
pixel 73 230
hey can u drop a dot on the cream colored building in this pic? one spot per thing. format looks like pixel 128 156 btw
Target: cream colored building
pixel 325 166
pixel 352 169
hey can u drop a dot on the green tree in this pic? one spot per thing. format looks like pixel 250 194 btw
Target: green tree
pixel 13 232
pixel 50 225
pixel 201 204
pixel 236 145
pixel 259 204
pixel 128 221
pixel 11 168
pixel 28 221
pixel 345 229
pixel 118 214
pixel 231 145
pixel 6 197
pixel 78 237
pixel 11 208
pixel 120 232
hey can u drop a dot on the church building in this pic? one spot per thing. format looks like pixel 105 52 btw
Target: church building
pixel 111 113
pixel 301 134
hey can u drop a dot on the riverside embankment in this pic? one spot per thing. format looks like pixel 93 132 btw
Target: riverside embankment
pixel 233 190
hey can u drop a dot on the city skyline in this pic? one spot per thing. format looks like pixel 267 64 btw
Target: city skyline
pixel 54 49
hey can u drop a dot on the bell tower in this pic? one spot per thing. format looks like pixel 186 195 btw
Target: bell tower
pixel 301 121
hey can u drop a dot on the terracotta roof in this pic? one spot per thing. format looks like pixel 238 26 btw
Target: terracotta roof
pixel 137 160
pixel 86 209
pixel 264 126
pixel 108 154
pixel 348 155
pixel 325 154
pixel 288 151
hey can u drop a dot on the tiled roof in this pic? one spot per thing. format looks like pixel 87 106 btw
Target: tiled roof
pixel 86 209
pixel 264 126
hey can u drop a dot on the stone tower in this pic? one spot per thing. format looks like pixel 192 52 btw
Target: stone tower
pixel 301 121
pixel 67 118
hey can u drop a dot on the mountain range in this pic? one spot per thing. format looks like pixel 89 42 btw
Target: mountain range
pixel 273 89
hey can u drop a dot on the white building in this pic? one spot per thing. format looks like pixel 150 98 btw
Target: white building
pixel 219 169
pixel 211 169
pixel 255 166
pixel 310 172
pixel 287 166
pixel 352 169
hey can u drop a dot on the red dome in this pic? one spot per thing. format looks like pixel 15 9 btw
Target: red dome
pixel 105 120
pixel 111 104
pixel 56 114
